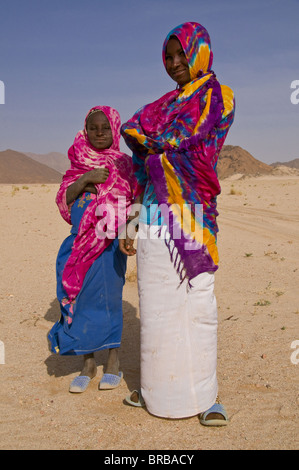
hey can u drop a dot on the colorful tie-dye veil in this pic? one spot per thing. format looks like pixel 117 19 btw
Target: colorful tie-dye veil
pixel 182 134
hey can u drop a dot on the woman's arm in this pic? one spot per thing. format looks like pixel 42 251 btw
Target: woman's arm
pixel 86 182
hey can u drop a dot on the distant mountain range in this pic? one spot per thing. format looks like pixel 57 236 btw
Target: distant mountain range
pixel 57 161
pixel 292 164
pixel 17 168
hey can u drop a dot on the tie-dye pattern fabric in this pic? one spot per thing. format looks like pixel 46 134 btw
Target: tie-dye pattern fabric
pixel 179 138
pixel 115 195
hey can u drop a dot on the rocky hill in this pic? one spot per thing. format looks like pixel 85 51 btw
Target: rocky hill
pixel 18 168
pixel 234 160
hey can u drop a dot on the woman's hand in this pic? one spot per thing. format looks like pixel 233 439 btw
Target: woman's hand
pixel 146 166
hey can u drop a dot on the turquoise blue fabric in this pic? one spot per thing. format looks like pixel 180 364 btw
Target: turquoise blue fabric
pixel 150 213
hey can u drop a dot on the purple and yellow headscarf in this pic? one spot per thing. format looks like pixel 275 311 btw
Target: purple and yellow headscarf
pixel 196 44
pixel 182 134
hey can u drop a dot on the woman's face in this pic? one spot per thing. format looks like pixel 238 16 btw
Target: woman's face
pixel 177 65
pixel 99 131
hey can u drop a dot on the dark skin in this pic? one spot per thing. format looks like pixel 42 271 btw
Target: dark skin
pixel 178 69
pixel 100 136
pixel 177 65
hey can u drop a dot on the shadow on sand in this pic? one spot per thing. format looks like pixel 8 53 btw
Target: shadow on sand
pixel 129 352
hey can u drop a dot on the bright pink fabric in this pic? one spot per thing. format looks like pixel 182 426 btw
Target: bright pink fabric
pixel 115 195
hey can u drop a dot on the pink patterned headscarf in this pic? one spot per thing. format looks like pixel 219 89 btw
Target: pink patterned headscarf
pixel 119 188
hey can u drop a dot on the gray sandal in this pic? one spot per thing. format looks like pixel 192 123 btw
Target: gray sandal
pixel 139 404
pixel 216 408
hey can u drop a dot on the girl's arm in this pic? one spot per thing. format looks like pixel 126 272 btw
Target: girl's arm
pixel 126 241
pixel 86 182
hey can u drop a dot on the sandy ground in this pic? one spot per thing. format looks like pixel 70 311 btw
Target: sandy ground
pixel 258 300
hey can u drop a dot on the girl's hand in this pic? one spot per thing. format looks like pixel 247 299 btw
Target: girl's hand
pixel 126 246
pixel 86 182
pixel 126 242
pixel 97 176
pixel 90 188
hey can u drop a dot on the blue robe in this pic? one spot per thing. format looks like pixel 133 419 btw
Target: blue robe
pixel 97 317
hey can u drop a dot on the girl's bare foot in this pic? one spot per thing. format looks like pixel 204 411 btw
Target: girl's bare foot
pixel 112 377
pixel 90 367
pixel 112 362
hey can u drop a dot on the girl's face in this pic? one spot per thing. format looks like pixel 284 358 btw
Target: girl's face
pixel 99 131
pixel 177 65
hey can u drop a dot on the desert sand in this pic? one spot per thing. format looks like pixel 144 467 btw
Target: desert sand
pixel 258 302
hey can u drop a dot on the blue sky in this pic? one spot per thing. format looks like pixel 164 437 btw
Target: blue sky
pixel 59 58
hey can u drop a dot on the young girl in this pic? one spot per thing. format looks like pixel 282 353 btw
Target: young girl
pixel 90 267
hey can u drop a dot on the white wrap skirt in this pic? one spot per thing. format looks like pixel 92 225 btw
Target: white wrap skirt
pixel 178 332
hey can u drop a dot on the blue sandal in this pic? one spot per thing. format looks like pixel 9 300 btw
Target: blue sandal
pixel 79 384
pixel 110 381
pixel 216 408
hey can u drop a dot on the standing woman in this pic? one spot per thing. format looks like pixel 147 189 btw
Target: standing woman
pixel 176 143
pixel 90 267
